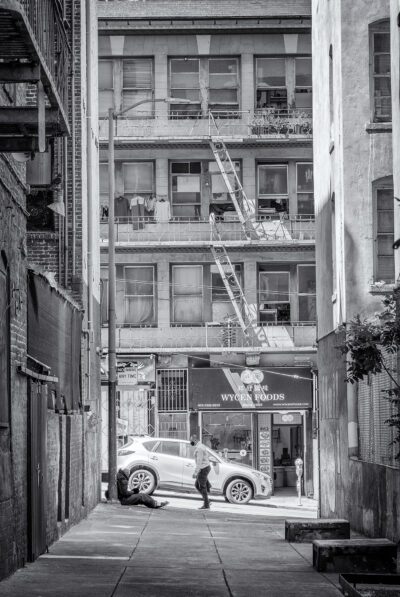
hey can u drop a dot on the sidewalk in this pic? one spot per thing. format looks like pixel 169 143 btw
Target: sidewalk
pixel 177 552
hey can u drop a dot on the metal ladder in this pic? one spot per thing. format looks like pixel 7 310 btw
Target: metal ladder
pixel 243 206
pixel 246 314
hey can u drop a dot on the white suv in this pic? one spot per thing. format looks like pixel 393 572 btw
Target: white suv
pixel 157 462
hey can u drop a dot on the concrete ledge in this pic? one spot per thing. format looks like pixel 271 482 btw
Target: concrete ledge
pixel 355 555
pixel 310 529
pixel 374 585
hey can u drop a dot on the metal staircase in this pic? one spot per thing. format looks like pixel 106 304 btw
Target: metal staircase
pixel 246 314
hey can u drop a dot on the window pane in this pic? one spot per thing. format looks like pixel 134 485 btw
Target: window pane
pixel 271 72
pixel 106 101
pixel 139 310
pixel 179 65
pixel 272 180
pixel 307 308
pixel 138 177
pixel 303 98
pixel 103 171
pixel 306 279
pixel 222 65
pixel 137 73
pixel 190 94
pixel 105 74
pixel 382 86
pixel 186 211
pixel 305 204
pixel 385 221
pixel 188 280
pixel 385 268
pixel 274 287
pixel 183 198
pixel 382 42
pixel 132 97
pixel 385 244
pixel 223 96
pixel 170 448
pixel 139 280
pixel 382 64
pixel 305 178
pixel 303 72
pixel 180 167
pixel 184 81
pixel 385 199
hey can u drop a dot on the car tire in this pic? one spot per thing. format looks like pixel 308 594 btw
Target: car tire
pixel 143 479
pixel 239 491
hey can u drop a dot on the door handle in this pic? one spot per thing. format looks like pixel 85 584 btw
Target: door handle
pixel 153 458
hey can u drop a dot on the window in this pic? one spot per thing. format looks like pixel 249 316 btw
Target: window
pixel 173 425
pixel 131 178
pixel 104 295
pixel 138 178
pixel 274 297
pixel 172 389
pixel 209 83
pixel 384 265
pixel 382 101
pixel 139 295
pixel 4 342
pixel 306 292
pixel 305 189
pixel 303 82
pixel 221 304
pixel 219 190
pixel 187 294
pixel 169 448
pixel 123 82
pixel 271 90
pixel 185 189
pixel 104 192
pixel 149 445
pixel 272 187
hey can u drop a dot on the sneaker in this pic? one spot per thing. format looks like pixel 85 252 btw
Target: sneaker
pixel 204 507
pixel 162 504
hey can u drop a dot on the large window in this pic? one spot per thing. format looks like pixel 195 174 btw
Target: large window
pixel 132 179
pixel 208 83
pixel 139 300
pixel 303 83
pixel 283 83
pixel 222 307
pixel 4 342
pixel 306 293
pixel 272 187
pixel 305 189
pixel 185 189
pixel 126 81
pixel 274 296
pixel 380 67
pixel 187 294
pixel 384 216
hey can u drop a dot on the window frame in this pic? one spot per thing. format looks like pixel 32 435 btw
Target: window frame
pixel 304 192
pixel 260 292
pixel 380 27
pixel 196 205
pixel 382 184
pixel 304 294
pixel 125 164
pixel 150 89
pixel 174 323
pixel 153 323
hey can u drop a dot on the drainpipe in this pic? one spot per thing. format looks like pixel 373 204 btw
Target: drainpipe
pixel 65 185
pixel 89 130
pixel 73 156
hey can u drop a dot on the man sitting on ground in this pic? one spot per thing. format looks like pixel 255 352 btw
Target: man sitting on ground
pixel 133 498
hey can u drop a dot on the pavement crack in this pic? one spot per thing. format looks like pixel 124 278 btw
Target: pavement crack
pixel 118 581
pixel 227 583
pixel 219 558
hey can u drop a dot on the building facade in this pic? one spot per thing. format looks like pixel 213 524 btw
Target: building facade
pixel 214 224
pixel 356 223
pixel 49 274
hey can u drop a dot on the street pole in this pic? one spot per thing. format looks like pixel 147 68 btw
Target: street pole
pixel 112 292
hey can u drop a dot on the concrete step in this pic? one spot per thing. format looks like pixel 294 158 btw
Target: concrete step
pixel 354 555
pixel 309 529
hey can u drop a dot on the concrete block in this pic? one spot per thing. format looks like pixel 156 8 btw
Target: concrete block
pixel 309 529
pixel 355 555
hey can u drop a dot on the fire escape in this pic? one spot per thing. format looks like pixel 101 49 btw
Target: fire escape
pixel 34 50
pixel 246 314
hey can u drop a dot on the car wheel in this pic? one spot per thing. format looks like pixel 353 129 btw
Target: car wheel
pixel 142 479
pixel 239 491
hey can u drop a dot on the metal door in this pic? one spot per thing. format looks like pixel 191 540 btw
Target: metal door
pixel 37 471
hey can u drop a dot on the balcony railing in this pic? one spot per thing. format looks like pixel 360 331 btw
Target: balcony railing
pixel 212 336
pixel 261 123
pixel 273 229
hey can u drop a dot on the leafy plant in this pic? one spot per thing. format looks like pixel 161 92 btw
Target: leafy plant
pixel 367 341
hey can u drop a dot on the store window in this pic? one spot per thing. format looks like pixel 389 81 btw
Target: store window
pixel 272 188
pixel 380 72
pixel 4 342
pixel 305 189
pixel 306 293
pixel 303 82
pixel 208 83
pixel 274 296
pixel 126 81
pixel 384 237
pixel 229 434
pixel 187 294
pixel 139 299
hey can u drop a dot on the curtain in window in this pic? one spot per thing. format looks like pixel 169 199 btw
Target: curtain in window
pixel 139 295
pixel 188 295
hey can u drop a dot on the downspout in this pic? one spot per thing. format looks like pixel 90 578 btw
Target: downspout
pixel 73 156
pixel 65 185
pixel 89 116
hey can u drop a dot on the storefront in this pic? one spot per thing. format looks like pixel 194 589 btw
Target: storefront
pixel 259 417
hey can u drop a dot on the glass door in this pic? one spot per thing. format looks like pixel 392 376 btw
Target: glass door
pixel 230 434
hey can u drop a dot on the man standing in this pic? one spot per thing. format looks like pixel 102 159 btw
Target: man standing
pixel 202 470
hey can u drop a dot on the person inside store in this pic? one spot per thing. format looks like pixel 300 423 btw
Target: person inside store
pixel 202 470
pixel 134 497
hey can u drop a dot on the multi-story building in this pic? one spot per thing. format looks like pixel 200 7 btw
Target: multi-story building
pixel 214 222
pixel 356 216
pixel 49 273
